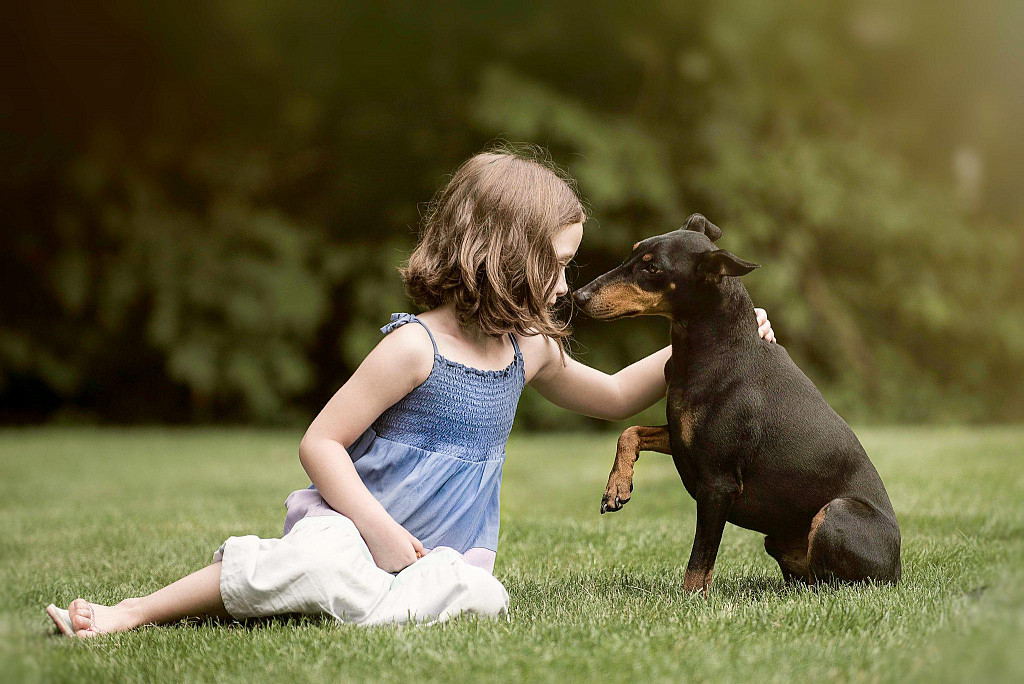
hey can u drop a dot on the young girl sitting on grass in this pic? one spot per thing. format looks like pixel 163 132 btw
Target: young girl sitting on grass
pixel 406 458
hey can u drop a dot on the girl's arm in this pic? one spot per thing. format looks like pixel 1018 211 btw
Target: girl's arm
pixel 582 389
pixel 586 390
pixel 400 362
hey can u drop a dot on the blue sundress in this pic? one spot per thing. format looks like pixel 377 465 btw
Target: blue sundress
pixel 434 459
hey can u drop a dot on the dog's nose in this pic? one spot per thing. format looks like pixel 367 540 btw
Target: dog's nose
pixel 581 297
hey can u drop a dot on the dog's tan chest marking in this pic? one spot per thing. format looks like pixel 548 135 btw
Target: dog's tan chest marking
pixel 688 420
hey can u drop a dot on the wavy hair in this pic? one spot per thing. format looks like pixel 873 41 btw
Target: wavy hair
pixel 485 243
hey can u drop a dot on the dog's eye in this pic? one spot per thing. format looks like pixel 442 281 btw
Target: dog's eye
pixel 651 268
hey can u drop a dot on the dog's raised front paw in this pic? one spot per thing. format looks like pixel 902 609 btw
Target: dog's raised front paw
pixel 617 493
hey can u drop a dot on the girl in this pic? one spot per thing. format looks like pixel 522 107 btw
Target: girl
pixel 406 459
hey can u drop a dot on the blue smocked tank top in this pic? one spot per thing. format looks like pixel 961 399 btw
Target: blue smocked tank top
pixel 434 458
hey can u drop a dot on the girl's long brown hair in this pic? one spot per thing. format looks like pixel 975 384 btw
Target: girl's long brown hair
pixel 485 243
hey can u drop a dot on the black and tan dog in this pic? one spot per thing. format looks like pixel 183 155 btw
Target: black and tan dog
pixel 753 440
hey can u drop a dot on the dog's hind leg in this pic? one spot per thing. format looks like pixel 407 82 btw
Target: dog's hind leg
pixel 851 541
pixel 632 441
pixel 791 555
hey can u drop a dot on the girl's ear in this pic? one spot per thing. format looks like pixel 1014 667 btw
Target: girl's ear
pixel 718 263
pixel 699 224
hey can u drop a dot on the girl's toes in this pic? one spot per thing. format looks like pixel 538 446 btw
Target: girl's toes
pixel 81 617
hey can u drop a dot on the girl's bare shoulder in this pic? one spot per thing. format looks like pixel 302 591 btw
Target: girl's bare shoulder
pixel 539 353
pixel 407 348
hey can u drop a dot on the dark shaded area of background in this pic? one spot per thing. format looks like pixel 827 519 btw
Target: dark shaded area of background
pixel 202 208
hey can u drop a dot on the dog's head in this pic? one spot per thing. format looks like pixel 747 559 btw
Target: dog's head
pixel 661 273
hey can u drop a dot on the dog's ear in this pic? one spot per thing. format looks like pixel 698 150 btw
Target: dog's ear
pixel 698 223
pixel 718 263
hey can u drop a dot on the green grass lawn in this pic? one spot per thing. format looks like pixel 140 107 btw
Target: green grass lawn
pixel 112 513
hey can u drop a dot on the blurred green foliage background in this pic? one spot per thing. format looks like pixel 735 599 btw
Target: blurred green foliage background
pixel 203 205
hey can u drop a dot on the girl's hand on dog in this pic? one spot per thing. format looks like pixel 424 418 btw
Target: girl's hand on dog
pixel 392 546
pixel 764 326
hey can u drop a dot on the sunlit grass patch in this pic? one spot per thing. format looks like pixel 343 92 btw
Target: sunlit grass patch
pixel 111 513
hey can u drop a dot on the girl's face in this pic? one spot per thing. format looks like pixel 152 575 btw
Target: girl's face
pixel 565 242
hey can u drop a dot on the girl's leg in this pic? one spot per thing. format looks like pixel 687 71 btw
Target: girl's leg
pixel 196 595
pixel 438 587
pixel 321 566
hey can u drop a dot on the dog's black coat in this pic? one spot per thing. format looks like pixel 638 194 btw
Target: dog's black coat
pixel 752 438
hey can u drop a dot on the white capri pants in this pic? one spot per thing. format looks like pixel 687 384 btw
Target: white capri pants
pixel 323 566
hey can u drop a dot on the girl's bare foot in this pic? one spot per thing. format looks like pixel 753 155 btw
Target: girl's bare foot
pixel 91 619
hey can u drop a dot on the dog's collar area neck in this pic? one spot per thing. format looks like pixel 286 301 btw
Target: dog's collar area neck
pixel 724 317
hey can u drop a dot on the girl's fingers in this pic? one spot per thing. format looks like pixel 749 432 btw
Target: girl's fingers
pixel 764 326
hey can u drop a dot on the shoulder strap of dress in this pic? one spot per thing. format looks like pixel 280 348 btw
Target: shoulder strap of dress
pixel 515 345
pixel 400 319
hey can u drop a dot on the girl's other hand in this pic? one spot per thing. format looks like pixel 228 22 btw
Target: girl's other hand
pixel 392 546
pixel 764 326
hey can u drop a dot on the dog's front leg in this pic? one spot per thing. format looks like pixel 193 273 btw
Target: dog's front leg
pixel 632 441
pixel 712 510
